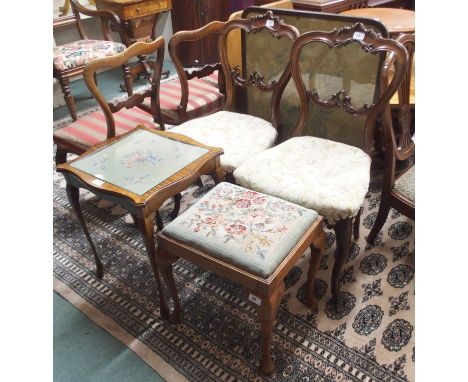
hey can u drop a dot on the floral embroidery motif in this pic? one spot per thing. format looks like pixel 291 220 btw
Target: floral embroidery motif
pixel 332 179
pixel 79 53
pixel 137 179
pixel 252 220
pixel 139 158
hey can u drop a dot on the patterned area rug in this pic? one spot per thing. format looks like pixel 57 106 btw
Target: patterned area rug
pixel 368 336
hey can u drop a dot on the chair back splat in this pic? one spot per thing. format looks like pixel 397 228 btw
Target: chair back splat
pixel 318 61
pixel 112 120
pixel 398 142
pixel 152 91
pixel 237 78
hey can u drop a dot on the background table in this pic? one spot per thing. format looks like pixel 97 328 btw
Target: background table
pixel 139 18
pixel 395 20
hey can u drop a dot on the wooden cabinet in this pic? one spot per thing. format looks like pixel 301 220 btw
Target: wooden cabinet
pixel 193 14
pixel 406 4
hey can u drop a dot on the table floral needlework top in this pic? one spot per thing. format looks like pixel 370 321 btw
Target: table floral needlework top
pixel 139 161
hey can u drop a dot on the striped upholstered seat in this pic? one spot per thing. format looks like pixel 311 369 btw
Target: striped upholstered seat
pixel 204 98
pixel 91 129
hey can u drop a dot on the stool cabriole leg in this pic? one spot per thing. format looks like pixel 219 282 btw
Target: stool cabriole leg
pixel 267 311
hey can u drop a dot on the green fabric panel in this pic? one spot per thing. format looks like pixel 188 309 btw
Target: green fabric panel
pixel 348 63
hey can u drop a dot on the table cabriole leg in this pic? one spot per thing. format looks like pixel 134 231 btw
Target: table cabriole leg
pixel 73 194
pixel 146 227
pixel 165 261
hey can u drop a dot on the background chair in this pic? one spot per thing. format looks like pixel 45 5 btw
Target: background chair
pixel 241 135
pixel 197 91
pixel 117 117
pixel 112 120
pixel 329 177
pixel 398 193
pixel 70 59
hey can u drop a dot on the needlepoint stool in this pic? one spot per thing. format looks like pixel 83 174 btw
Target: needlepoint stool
pixel 252 239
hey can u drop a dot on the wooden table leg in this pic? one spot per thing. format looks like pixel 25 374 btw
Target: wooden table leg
pixel 73 196
pixel 146 227
pixel 219 175
pixel 165 260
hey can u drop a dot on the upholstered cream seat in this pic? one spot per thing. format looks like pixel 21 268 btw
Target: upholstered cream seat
pixel 241 136
pixel 404 185
pixel 329 177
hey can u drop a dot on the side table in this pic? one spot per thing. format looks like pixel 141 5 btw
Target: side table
pixel 396 20
pixel 139 171
pixel 139 18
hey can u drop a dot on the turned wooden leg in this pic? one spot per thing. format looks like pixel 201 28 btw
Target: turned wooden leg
pixel 60 156
pixel 65 85
pixel 73 196
pixel 316 250
pixel 343 230
pixel 176 209
pixel 357 224
pixel 145 225
pixel 165 261
pixel 159 221
pixel 267 311
pixel 384 209
pixel 128 79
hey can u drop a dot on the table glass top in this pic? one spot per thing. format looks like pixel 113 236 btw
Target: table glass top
pixel 139 161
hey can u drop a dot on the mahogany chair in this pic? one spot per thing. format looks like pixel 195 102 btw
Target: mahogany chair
pixel 241 135
pixel 327 176
pixel 397 192
pixel 196 92
pixel 117 117
pixel 70 59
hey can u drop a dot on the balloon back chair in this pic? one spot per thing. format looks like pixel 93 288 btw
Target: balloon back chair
pixel 114 118
pixel 242 135
pixel 327 176
pixel 397 192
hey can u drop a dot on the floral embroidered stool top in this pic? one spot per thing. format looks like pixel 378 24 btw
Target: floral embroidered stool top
pixel 250 230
